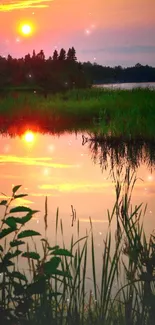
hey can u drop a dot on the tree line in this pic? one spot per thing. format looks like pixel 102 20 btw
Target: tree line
pixel 62 71
pixel 59 72
pixel 101 74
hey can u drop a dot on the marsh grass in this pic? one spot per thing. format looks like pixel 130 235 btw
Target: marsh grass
pixel 55 292
pixel 122 112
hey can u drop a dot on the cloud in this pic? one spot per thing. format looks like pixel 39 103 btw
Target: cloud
pixel 94 220
pixel 88 187
pixel 9 176
pixel 23 4
pixel 5 197
pixel 39 194
pixel 77 187
pixel 19 201
pixel 45 194
pixel 30 161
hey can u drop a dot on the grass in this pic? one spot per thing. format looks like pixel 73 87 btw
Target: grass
pixel 53 289
pixel 120 112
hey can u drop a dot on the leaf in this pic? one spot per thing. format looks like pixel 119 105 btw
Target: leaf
pixel 53 248
pixel 33 255
pixel 5 264
pixel 37 287
pixel 62 252
pixel 16 243
pixel 51 266
pixel 54 294
pixel 23 306
pixel 18 275
pixel 16 253
pixel 20 195
pixel 6 231
pixel 11 222
pixel 62 273
pixel 15 188
pixel 28 233
pixel 3 202
pixel 20 209
pixel 25 219
pixel 18 289
pixel 10 255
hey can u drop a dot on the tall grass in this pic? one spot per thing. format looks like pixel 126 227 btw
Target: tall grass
pixel 122 112
pixel 53 289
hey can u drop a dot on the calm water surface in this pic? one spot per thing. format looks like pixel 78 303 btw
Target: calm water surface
pixel 130 85
pixel 64 171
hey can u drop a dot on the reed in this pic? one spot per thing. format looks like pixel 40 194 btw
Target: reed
pixel 53 288
pixel 121 112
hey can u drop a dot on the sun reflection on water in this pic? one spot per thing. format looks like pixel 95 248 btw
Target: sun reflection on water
pixel 29 137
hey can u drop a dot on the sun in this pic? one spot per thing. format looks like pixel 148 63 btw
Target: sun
pixel 29 136
pixel 26 29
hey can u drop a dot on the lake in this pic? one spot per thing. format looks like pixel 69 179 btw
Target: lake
pixel 69 171
pixel 76 174
pixel 128 86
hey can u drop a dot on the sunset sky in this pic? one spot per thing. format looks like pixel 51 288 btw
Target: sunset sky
pixel 113 32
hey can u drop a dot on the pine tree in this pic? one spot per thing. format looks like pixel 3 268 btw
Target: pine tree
pixel 33 54
pixel 41 55
pixel 55 55
pixel 62 55
pixel 74 58
pixel 9 58
pixel 71 54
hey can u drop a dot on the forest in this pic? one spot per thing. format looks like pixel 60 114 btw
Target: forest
pixel 62 71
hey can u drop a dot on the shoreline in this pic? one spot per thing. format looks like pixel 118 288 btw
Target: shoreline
pixel 122 112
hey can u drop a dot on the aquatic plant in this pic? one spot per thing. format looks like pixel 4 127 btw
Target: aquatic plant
pixel 53 289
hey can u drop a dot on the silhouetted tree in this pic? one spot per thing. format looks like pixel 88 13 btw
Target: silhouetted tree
pixel 27 58
pixel 41 55
pixel 9 58
pixel 138 65
pixel 61 72
pixel 62 55
pixel 71 54
pixel 34 55
pixel 55 55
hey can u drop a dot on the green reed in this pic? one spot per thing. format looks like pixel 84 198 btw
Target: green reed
pixel 122 112
pixel 53 288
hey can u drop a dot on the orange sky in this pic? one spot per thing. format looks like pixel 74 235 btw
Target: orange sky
pixel 109 32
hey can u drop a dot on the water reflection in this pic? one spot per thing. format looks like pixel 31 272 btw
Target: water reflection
pixel 29 136
pixel 110 152
pixel 60 168
pixel 129 86
pixel 65 171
